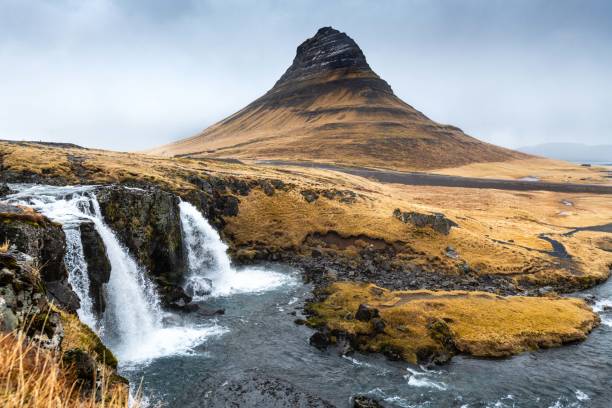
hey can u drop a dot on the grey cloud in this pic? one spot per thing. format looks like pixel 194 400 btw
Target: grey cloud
pixel 134 74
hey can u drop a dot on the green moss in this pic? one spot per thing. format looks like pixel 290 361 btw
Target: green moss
pixel 79 336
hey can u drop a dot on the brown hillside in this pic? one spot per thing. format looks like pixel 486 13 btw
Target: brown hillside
pixel 330 106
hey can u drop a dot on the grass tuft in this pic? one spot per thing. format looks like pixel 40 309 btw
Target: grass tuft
pixel 31 376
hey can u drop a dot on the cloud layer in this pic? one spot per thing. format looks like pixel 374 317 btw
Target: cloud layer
pixel 129 75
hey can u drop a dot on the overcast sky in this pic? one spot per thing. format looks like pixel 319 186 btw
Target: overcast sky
pixel 128 75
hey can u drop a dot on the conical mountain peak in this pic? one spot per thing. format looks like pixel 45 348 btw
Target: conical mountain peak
pixel 327 51
pixel 329 106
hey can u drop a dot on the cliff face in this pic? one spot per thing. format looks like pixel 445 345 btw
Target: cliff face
pixel 44 241
pixel 330 106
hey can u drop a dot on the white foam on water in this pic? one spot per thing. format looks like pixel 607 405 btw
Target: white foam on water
pixel 421 379
pixel 171 341
pixel 602 304
pixel 356 362
pixel 210 264
pixel 582 396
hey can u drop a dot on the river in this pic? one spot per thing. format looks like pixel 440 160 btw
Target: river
pixel 173 356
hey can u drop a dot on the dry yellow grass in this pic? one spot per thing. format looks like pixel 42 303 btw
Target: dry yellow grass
pixel 477 323
pixel 545 169
pixel 498 229
pixel 34 377
pixel 351 120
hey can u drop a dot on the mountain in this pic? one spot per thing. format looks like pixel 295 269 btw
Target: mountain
pixel 575 152
pixel 329 106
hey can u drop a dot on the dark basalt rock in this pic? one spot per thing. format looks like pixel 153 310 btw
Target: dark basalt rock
pixel 361 401
pixel 23 302
pixel 366 313
pixel 98 265
pixel 320 339
pixel 36 236
pixel 437 221
pixel 251 388
pixel 5 190
pixel 328 50
pixel 147 222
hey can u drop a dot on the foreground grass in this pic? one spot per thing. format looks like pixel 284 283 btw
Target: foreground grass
pixel 31 376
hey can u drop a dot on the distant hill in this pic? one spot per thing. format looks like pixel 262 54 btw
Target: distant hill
pixel 330 106
pixel 574 152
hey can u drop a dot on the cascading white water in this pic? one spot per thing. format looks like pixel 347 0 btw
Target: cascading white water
pixel 210 269
pixel 79 277
pixel 132 322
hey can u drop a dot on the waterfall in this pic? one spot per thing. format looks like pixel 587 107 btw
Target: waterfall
pixel 210 269
pixel 133 311
pixel 132 323
pixel 78 276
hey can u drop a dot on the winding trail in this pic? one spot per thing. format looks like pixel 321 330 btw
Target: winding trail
pixel 440 180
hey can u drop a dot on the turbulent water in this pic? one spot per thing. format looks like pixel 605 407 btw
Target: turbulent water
pixel 133 322
pixel 173 354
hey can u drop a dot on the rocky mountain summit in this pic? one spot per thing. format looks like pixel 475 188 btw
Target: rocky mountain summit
pixel 328 50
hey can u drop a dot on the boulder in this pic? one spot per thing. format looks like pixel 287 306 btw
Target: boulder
pixel 436 221
pixel 366 313
pixel 361 401
pixel 5 190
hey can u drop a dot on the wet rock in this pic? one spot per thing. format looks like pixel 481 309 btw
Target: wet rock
pixel 98 265
pixel 344 344
pixel 210 311
pixel 361 401
pixel 36 236
pixel 252 388
pixel 147 222
pixel 590 299
pixel 5 190
pixel 437 221
pixel 174 296
pixel 320 340
pixel 62 294
pixel 366 313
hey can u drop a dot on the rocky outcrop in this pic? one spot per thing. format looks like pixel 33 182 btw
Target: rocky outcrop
pixel 24 306
pixel 98 265
pixel 23 302
pixel 5 190
pixel 44 241
pixel 147 221
pixel 251 388
pixel 436 221
pixel 362 401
